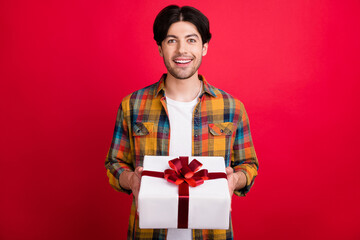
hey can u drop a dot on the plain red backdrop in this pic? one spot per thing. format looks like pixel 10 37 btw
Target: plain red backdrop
pixel 66 65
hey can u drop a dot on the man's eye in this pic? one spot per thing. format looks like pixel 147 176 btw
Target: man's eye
pixel 171 41
pixel 192 40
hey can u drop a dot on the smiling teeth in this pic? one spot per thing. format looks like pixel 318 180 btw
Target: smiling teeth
pixel 182 61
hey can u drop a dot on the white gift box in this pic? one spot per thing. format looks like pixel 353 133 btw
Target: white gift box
pixel 209 203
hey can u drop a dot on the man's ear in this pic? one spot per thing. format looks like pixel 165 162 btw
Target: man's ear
pixel 160 51
pixel 205 48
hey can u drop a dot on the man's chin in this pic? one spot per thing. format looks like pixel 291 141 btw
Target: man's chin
pixel 182 76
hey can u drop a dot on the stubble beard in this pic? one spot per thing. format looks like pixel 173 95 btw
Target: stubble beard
pixel 180 73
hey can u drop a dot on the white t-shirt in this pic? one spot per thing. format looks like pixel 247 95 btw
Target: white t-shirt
pixel 180 117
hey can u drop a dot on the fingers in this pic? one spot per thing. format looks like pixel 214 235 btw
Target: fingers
pixel 136 185
pixel 229 170
pixel 136 178
pixel 138 171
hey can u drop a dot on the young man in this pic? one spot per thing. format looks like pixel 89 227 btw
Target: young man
pixel 181 114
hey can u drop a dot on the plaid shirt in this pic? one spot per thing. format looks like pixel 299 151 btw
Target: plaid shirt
pixel 220 128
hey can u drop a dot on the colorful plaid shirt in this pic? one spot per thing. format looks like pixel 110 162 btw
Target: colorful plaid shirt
pixel 220 128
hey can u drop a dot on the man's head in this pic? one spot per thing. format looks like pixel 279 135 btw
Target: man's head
pixel 172 14
pixel 182 35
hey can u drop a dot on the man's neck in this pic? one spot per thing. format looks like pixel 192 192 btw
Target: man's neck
pixel 182 90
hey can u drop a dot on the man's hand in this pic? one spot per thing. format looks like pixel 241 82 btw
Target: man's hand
pixel 236 180
pixel 131 181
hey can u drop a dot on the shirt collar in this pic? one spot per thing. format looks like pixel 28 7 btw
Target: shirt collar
pixel 207 88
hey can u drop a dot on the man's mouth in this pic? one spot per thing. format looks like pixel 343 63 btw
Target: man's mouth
pixel 182 62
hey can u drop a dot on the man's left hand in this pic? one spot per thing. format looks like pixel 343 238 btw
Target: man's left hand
pixel 236 180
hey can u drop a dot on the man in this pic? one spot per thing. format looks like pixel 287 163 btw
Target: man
pixel 180 115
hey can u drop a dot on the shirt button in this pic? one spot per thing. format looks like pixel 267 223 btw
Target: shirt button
pixel 221 130
pixel 196 135
pixel 196 111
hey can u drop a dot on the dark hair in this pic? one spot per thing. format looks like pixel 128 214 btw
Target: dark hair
pixel 172 14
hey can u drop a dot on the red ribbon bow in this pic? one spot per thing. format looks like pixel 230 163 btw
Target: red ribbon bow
pixel 185 175
pixel 182 171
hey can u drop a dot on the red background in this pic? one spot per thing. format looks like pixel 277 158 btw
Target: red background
pixel 66 65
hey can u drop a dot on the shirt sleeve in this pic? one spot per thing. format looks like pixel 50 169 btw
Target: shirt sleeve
pixel 244 157
pixel 120 155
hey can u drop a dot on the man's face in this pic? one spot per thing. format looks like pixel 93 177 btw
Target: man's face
pixel 182 50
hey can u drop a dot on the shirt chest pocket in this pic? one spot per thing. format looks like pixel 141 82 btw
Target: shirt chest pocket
pixel 144 138
pixel 220 138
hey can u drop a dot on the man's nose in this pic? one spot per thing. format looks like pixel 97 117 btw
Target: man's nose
pixel 182 47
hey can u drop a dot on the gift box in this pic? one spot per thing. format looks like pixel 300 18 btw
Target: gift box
pixel 184 192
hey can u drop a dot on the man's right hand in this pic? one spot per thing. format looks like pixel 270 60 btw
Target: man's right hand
pixel 131 181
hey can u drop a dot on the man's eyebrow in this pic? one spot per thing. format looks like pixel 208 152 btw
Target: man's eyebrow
pixel 192 35
pixel 187 36
pixel 171 36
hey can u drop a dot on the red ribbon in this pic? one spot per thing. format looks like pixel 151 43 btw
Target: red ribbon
pixel 185 175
